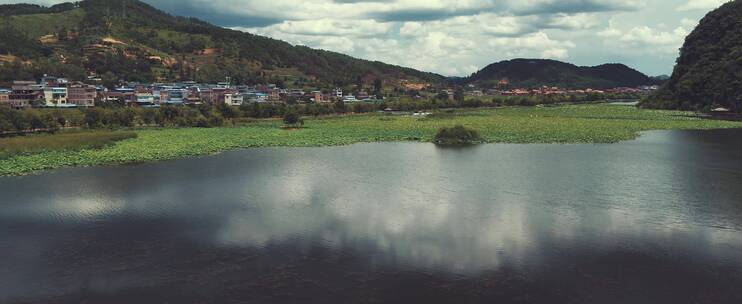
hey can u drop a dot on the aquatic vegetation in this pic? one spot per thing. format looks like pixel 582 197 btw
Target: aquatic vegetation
pixel 457 135
pixel 31 144
pixel 564 124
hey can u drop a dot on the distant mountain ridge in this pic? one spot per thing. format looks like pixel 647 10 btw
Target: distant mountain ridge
pixel 708 73
pixel 545 72
pixel 135 41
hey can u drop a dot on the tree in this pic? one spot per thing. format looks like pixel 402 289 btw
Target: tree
pixel 292 119
pixel 94 118
pixel 378 87
pixel 442 96
pixel 109 80
pixel 458 95
pixel 227 111
pixel 62 34
pixel 456 136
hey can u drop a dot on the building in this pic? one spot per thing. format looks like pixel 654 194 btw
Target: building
pixel 318 97
pixel 233 99
pixel 216 95
pixel 173 96
pixel 274 95
pixel 56 97
pixel 4 97
pixel 145 99
pixel 349 98
pixel 118 97
pixel 338 93
pixel 362 95
pixel 23 93
pixel 254 97
pixel 81 95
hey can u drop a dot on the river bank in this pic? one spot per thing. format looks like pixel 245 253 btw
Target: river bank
pixel 564 124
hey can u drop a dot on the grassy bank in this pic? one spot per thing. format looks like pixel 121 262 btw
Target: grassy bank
pixel 34 144
pixel 565 124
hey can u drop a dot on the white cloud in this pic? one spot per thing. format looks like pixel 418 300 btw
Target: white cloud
pixel 555 54
pixel 330 27
pixel 701 5
pixel 648 39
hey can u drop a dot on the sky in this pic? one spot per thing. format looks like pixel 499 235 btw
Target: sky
pixel 459 37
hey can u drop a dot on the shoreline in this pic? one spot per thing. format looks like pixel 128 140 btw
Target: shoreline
pixel 574 124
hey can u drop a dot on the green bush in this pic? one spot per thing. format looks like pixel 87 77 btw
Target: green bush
pixel 457 135
pixel 292 119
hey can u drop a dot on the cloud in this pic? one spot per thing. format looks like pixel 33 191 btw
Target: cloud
pixel 701 5
pixel 330 27
pixel 573 6
pixel 650 39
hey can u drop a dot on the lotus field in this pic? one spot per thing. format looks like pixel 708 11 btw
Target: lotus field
pixel 559 125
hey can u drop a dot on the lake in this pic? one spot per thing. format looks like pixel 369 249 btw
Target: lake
pixel 654 220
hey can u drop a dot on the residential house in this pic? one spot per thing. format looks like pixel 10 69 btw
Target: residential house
pixel 298 93
pixel 362 95
pixel 48 81
pixel 216 95
pixel 81 95
pixel 193 99
pixel 206 95
pixel 318 97
pixel 233 99
pixel 4 97
pixel 173 96
pixel 274 95
pixel 117 96
pixel 255 97
pixel 56 97
pixel 449 93
pixel 145 99
pixel 349 98
pixel 23 93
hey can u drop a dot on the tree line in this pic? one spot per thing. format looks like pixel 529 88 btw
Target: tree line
pixel 113 116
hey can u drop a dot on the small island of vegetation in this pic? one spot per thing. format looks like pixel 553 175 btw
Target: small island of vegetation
pixel 458 135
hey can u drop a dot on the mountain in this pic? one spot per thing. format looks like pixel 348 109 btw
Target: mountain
pixel 134 41
pixel 708 73
pixel 544 72
pixel 661 78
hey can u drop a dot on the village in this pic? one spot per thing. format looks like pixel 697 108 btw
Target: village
pixel 54 92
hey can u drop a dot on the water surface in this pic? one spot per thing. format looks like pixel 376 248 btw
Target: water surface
pixel 655 220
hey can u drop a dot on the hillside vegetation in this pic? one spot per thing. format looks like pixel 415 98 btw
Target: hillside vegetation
pixel 540 72
pixel 708 73
pixel 132 40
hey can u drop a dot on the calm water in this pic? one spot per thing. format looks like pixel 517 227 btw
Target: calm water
pixel 656 220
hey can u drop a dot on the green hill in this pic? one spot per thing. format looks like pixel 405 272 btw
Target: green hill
pixel 708 73
pixel 544 72
pixel 134 41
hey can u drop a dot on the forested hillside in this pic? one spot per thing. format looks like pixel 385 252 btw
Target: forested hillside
pixel 131 40
pixel 540 72
pixel 708 73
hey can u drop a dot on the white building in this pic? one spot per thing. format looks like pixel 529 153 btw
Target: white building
pixel 145 99
pixel 349 98
pixel 56 97
pixel 233 99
